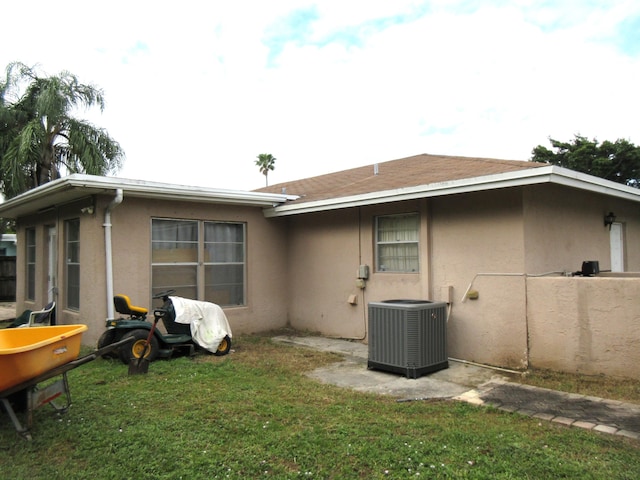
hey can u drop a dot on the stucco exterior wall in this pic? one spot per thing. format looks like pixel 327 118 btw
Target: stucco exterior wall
pixel 266 297
pixel 325 251
pixel 389 285
pixel 92 276
pixel 563 227
pixel 585 325
pixel 491 242
pixel 266 284
pixel 323 259
pixel 481 234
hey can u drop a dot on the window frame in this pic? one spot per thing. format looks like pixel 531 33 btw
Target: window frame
pixel 72 268
pixel 242 263
pixel 203 288
pixel 188 287
pixel 30 263
pixel 380 245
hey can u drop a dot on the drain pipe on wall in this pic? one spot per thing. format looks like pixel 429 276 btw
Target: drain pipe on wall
pixel 362 290
pixel 108 251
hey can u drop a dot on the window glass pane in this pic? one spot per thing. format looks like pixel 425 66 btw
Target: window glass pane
pixel 224 263
pixel 224 284
pixel 31 282
pixel 31 263
pixel 174 241
pixel 73 286
pixel 224 252
pixel 181 278
pixel 400 228
pixel 223 232
pixel 398 258
pixel 73 252
pixel 174 257
pixel 397 243
pixel 224 242
pixel 72 232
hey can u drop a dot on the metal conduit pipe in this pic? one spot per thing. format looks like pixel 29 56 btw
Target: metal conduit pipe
pixel 525 276
pixel 108 251
pixel 464 297
pixel 490 367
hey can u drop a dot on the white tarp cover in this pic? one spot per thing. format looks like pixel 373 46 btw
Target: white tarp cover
pixel 207 321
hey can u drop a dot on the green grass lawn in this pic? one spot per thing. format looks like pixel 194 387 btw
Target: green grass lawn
pixel 254 414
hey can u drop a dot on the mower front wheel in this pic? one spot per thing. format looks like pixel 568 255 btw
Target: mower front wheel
pixel 138 347
pixel 107 338
pixel 224 347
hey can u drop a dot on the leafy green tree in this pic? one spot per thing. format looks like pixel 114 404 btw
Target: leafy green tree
pixel 265 163
pixel 39 137
pixel 618 161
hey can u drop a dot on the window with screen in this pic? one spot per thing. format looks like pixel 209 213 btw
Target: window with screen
pixel 72 263
pixel 30 291
pixel 397 245
pixel 202 260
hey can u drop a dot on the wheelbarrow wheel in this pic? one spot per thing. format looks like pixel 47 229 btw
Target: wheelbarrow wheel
pixel 224 347
pixel 137 348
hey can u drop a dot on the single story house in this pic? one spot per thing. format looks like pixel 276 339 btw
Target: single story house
pixel 497 240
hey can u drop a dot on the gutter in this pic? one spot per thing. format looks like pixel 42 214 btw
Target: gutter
pixel 533 176
pixel 109 252
pixel 148 189
pixel 72 187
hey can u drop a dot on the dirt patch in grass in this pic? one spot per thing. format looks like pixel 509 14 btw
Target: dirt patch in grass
pixel 622 389
pixel 258 351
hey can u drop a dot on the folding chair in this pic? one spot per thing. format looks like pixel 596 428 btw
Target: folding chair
pixel 44 317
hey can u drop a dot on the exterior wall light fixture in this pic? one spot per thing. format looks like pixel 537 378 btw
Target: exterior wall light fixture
pixel 609 218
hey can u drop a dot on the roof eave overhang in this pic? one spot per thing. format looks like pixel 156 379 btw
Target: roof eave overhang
pixel 532 176
pixel 75 187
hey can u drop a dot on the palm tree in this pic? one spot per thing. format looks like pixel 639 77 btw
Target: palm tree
pixel 39 139
pixel 266 162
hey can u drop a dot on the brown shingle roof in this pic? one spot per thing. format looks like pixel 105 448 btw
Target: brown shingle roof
pixel 405 172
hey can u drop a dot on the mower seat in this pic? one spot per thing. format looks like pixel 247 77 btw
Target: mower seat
pixel 124 307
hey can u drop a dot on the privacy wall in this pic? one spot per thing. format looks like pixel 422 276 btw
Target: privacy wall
pixel 588 325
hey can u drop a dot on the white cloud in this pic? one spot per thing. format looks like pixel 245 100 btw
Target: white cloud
pixel 195 91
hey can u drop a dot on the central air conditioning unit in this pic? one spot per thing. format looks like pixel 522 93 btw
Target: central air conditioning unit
pixel 408 336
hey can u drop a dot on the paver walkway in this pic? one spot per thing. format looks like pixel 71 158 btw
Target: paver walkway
pixel 593 413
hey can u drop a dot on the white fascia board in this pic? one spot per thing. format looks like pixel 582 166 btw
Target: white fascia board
pixel 78 185
pixel 533 176
pixel 583 181
pixel 141 188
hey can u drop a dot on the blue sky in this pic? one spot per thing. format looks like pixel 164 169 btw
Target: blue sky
pixel 196 90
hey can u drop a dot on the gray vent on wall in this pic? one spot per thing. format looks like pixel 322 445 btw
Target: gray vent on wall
pixel 408 336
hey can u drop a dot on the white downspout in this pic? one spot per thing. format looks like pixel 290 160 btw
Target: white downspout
pixel 108 251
